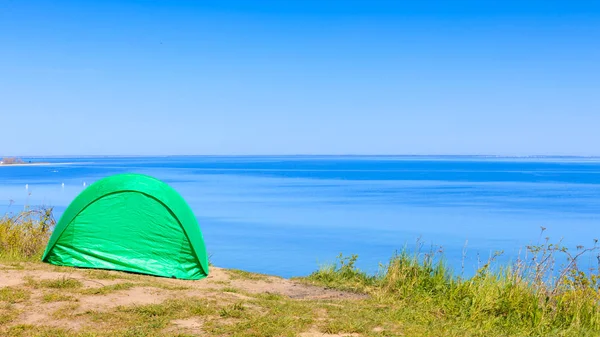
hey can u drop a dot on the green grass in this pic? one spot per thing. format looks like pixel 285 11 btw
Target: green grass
pixel 236 310
pixel 23 236
pixel 264 316
pixel 420 293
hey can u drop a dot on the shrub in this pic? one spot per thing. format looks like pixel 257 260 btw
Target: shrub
pixel 24 235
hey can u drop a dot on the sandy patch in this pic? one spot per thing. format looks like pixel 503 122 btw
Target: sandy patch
pixel 189 323
pixel 133 296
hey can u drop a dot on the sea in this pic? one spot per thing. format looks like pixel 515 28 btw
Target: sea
pixel 290 215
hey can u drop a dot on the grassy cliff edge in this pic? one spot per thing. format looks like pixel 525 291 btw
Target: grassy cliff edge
pixel 413 295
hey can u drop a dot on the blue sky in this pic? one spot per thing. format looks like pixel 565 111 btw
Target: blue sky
pixel 300 77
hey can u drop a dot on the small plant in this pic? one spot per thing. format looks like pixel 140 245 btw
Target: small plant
pixel 61 283
pixel 108 289
pixel 233 311
pixel 56 297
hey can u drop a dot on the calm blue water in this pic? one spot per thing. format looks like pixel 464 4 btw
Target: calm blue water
pixel 287 215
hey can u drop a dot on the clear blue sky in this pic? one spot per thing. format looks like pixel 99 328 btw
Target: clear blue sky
pixel 300 77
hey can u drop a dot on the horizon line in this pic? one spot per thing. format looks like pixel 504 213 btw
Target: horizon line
pixel 297 155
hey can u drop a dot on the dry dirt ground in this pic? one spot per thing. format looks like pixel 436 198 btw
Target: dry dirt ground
pixel 35 293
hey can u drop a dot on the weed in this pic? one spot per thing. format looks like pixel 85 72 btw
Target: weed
pixel 61 283
pixel 235 310
pixel 57 297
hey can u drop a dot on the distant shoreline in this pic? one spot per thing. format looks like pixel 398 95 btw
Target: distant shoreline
pixel 34 164
pixel 312 155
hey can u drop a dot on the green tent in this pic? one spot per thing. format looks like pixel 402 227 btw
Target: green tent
pixel 133 223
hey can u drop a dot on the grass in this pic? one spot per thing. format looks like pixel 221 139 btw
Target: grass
pixel 61 283
pixel 236 310
pixel 230 290
pixel 23 236
pixel 104 290
pixel 414 294
pixel 7 313
pixel 99 274
pixel 57 297
pixel 166 286
pixel 66 311
pixel 532 297
pixel 244 275
pixel 14 295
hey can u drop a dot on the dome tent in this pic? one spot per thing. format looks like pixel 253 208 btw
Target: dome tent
pixel 133 223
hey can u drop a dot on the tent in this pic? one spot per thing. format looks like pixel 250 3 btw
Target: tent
pixel 133 223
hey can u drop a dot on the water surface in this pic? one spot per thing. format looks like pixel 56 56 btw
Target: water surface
pixel 287 215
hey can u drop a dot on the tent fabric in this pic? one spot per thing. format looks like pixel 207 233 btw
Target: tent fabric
pixel 130 222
